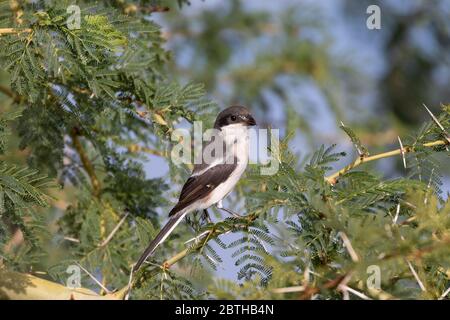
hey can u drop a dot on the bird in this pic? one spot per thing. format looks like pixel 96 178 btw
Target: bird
pixel 211 181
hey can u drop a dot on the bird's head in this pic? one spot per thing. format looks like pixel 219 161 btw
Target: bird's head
pixel 234 115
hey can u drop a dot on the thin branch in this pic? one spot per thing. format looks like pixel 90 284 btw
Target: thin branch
pixel 331 284
pixel 170 262
pixel 5 31
pixel 334 177
pixel 137 148
pixel 15 241
pixel 96 189
pixel 133 9
pixel 7 91
pixel 87 164
pixel 342 287
pixel 289 289
pixel 212 233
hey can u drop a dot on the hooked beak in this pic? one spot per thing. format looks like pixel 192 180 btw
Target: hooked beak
pixel 249 121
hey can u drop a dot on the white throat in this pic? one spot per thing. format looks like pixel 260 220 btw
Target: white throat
pixel 236 138
pixel 234 131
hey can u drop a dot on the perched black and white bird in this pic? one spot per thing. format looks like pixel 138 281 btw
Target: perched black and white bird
pixel 211 180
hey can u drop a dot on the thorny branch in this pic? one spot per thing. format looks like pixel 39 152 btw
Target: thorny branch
pixel 333 178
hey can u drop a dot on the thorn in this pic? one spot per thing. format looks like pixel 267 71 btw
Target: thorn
pixel 349 247
pixel 397 212
pixel 444 294
pixel 416 276
pixel 212 260
pixel 446 135
pixel 94 279
pixel 197 238
pixel 402 151
pixel 130 283
pixel 425 201
pixel 71 239
pixel 355 292
pixel 113 232
pixel 434 118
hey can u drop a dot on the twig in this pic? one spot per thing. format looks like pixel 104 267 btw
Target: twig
pixel 211 233
pixel 360 160
pixel 343 286
pixel 170 262
pixel 4 31
pixel 380 294
pixel 113 232
pixel 96 188
pixel 16 239
pixel 86 162
pixel 132 9
pixel 331 284
pixel 289 289
pixel 137 148
pixel 7 91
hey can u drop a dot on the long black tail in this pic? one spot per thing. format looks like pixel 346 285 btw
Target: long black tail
pixel 162 235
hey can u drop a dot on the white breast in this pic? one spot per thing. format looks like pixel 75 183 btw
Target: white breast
pixel 237 140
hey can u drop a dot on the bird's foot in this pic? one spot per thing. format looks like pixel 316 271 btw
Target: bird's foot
pixel 206 216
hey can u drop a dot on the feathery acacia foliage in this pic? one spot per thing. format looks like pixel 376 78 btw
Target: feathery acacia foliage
pixel 22 189
pixel 93 98
pixel 84 105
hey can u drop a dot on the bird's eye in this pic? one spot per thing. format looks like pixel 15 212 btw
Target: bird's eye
pixel 233 118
